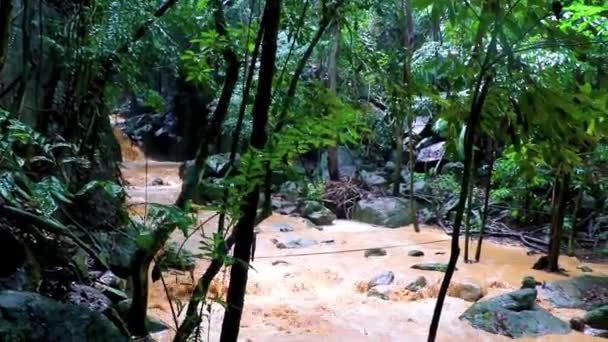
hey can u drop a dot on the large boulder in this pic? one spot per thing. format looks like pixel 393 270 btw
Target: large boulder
pixel 27 316
pixel 516 315
pixel 346 163
pixel 317 213
pixel 597 318
pixel 585 292
pixel 372 179
pixel 389 212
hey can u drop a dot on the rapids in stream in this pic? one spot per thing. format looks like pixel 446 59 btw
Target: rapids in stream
pixel 317 293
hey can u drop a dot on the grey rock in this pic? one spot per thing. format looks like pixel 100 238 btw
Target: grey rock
pixel 217 165
pixel 417 284
pixel 29 316
pixel 515 315
pixel 390 166
pixel 317 213
pixel 585 269
pixel 157 181
pixel 112 280
pixel 470 292
pixel 372 179
pixel 389 212
pixel 88 297
pixel 291 190
pixel 574 292
pixel 384 278
pixel 346 163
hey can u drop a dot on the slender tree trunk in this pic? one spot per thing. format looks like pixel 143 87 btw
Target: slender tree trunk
pixel 194 174
pixel 244 234
pixel 467 227
pixel 398 137
pixel 573 230
pixel 557 222
pixel 407 80
pixel 484 216
pixel 481 91
pixel 332 152
pixel 5 29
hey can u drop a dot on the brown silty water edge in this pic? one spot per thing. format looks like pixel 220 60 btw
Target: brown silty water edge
pixel 316 294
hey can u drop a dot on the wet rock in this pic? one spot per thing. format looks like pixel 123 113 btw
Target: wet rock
pixel 390 166
pixel 279 262
pixel 514 314
pixel 217 165
pixel 375 252
pixel 317 213
pixel 389 212
pixel 385 278
pixel 283 206
pixel 541 264
pixel 380 291
pixel 372 179
pixel 467 291
pixel 417 284
pixel 291 190
pixel 88 297
pixel 415 253
pixel 439 253
pixel 597 318
pixel 585 292
pixel 577 324
pixel 294 242
pixel 112 280
pixel 281 227
pixel 431 266
pixel 529 283
pixel 29 316
pixel 157 181
pixel 328 241
pixel 585 269
pixel 154 325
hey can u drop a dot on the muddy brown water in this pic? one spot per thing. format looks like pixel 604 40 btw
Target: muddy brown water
pixel 314 293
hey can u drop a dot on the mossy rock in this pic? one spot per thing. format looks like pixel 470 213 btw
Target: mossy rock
pixel 432 266
pixel 515 315
pixel 585 292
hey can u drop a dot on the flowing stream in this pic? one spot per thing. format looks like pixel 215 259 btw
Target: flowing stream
pixel 317 293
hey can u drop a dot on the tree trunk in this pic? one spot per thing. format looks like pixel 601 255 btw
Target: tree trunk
pixel 244 229
pixel 467 227
pixel 484 216
pixel 195 173
pixel 479 97
pixel 557 222
pixel 398 137
pixel 5 29
pixel 332 152
pixel 407 80
pixel 573 230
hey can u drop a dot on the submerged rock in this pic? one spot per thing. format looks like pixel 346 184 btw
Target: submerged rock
pixel 294 242
pixel 281 227
pixel 317 213
pixel 385 278
pixel 514 314
pixel 417 284
pixel 391 212
pixel 380 291
pixel 27 316
pixel 584 292
pixel 375 252
pixel 431 266
pixel 585 269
